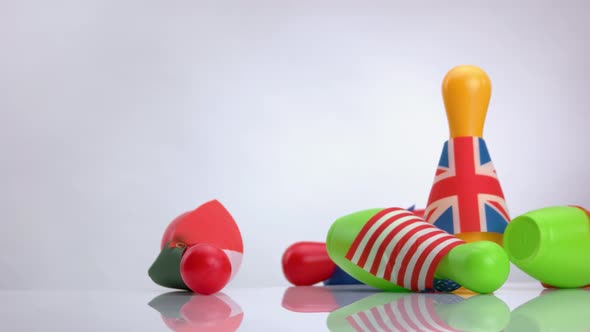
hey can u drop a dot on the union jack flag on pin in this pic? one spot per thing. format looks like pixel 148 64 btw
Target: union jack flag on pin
pixel 466 195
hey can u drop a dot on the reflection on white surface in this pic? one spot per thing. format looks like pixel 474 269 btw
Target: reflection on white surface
pixel 282 309
pixel 308 299
pixel 354 309
pixel 184 312
pixel 554 310
pixel 422 312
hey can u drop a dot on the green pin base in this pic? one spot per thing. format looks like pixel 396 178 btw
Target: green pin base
pixel 482 266
pixel 552 245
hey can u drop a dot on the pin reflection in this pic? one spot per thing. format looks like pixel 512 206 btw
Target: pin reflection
pixel 361 308
pixel 421 312
pixel 323 299
pixel 187 312
pixel 553 310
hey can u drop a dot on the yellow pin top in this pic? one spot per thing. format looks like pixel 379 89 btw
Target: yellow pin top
pixel 466 93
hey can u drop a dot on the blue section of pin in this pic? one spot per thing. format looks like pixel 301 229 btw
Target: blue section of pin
pixel 445 221
pixel 339 277
pixel 445 285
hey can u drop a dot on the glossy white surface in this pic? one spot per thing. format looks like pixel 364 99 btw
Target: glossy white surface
pixel 515 307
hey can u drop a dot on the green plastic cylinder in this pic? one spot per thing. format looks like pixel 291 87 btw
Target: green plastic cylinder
pixel 552 245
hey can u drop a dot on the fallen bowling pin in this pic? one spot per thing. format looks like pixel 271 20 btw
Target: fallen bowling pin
pixel 393 249
pixel 552 245
pixel 307 263
pixel 466 198
pixel 201 250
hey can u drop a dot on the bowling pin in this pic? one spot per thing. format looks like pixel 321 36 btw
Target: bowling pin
pixel 201 250
pixel 466 198
pixel 552 245
pixel 307 263
pixel 395 250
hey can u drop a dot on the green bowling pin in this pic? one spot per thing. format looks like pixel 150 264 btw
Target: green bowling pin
pixel 552 245
pixel 394 250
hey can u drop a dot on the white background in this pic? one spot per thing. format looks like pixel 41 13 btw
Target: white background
pixel 117 116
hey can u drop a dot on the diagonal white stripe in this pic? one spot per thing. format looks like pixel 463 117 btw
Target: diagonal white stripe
pixel 483 222
pixel 399 318
pixel 357 319
pixel 361 247
pixel 388 230
pixel 482 199
pixel 430 258
pixel 451 158
pixel 416 255
pixel 439 207
pixel 413 315
pixel 456 216
pixel 486 169
pixel 405 249
pixel 373 320
pixel 426 315
pixel 388 250
pixel 386 318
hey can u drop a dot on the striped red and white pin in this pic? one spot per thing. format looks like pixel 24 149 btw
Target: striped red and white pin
pixel 399 246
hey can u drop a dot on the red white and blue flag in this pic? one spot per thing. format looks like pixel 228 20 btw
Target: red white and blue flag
pixel 466 195
pixel 397 245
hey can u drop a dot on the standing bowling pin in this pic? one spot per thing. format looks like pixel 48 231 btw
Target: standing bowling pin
pixel 466 198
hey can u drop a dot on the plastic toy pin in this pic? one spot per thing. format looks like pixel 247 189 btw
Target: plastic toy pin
pixel 201 250
pixel 552 245
pixel 466 198
pixel 395 250
pixel 307 263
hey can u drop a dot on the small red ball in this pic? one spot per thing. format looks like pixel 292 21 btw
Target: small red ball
pixel 205 268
